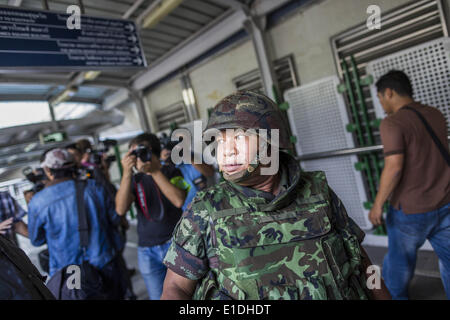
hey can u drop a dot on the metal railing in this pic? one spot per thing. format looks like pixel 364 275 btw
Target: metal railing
pixel 342 152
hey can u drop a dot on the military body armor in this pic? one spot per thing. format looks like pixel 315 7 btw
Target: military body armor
pixel 293 252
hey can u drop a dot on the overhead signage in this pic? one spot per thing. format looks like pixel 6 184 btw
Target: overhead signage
pixel 40 39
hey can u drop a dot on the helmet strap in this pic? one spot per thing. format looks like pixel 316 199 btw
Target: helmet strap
pixel 244 174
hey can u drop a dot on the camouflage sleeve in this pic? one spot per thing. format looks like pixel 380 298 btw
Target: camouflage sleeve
pixel 187 254
pixel 343 221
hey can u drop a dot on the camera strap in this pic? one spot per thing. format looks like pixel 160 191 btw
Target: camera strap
pixel 432 134
pixel 83 226
pixel 142 199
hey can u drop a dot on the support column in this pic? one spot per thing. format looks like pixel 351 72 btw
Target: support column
pixel 45 4
pixel 141 105
pixel 189 97
pixel 55 124
pixel 256 28
pixel 96 138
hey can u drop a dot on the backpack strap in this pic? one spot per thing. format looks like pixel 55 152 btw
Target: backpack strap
pixel 433 135
pixel 83 227
pixel 32 279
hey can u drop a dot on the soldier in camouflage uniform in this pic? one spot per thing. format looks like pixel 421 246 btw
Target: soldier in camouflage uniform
pixel 284 236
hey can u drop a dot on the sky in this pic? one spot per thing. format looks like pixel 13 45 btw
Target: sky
pixel 20 113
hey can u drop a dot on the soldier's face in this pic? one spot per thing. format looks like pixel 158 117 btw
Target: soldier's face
pixel 236 150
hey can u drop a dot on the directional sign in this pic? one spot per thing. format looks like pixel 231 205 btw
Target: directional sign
pixel 39 39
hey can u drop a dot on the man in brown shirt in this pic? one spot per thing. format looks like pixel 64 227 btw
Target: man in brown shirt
pixel 417 177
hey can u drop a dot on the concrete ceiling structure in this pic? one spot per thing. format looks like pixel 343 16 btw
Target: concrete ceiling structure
pixel 188 19
pixel 173 33
pixel 191 22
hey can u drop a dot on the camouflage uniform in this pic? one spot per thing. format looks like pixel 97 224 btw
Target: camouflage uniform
pixel 243 243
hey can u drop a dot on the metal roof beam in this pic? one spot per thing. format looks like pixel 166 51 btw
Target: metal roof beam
pixel 234 4
pixel 105 83
pixel 265 6
pixel 133 9
pixel 255 28
pixel 38 97
pixel 192 49
pixel 204 40
pixel 115 99
pixel 15 3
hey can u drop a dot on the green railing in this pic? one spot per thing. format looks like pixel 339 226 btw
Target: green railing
pixel 363 128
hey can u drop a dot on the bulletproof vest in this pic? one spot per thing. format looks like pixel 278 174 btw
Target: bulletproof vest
pixel 293 252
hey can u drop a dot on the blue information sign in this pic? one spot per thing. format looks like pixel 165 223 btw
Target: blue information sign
pixel 40 39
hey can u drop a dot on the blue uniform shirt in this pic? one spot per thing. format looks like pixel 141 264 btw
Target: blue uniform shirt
pixel 190 174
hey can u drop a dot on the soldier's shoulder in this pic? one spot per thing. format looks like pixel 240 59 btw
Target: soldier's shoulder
pixel 210 194
pixel 313 183
pixel 314 175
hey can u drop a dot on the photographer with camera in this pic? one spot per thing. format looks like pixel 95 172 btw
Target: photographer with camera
pixel 37 177
pixel 92 169
pixel 94 162
pixel 158 194
pixel 54 218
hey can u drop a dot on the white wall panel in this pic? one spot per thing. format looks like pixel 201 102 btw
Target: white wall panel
pixel 428 67
pixel 212 81
pixel 318 119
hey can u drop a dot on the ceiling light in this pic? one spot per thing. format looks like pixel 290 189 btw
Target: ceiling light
pixel 165 8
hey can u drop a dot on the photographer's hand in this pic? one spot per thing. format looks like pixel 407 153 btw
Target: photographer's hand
pixel 128 162
pixel 175 195
pixel 124 196
pixel 149 167
pixel 5 225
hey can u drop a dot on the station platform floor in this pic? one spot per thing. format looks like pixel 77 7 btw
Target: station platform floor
pixel 426 284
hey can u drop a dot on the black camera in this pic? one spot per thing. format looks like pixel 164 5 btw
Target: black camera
pixel 110 159
pixel 36 177
pixel 96 155
pixel 142 152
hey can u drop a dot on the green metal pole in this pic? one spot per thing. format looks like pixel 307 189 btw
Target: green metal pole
pixel 373 192
pixel 275 95
pixel 380 230
pixel 358 125
pixel 365 160
pixel 361 100
pixel 365 114
pixel 351 99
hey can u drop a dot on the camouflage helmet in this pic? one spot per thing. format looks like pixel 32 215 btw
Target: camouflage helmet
pixel 249 110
